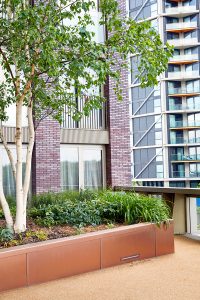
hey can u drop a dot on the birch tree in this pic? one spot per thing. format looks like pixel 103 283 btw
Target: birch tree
pixel 49 48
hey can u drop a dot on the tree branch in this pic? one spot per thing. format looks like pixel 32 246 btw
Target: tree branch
pixel 8 66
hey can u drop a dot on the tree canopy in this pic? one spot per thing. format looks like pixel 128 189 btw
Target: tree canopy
pixel 49 54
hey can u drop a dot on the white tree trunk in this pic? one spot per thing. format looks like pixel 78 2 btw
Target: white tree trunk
pixel 4 203
pixel 20 222
pixel 29 152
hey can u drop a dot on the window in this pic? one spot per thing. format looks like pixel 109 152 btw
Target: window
pixel 174 68
pixel 190 34
pixel 194 170
pixel 176 52
pixel 140 12
pixel 169 4
pixel 192 67
pixel 172 20
pixel 193 102
pixel 190 51
pixel 172 36
pixel 82 167
pixel 8 179
pixel 194 136
pixel 159 171
pixel 194 119
pixel 193 86
pixel 158 137
pixel 189 3
pixel 159 154
pixel 177 184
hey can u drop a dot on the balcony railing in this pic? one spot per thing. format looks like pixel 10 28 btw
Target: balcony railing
pixel 182 157
pixel 178 174
pixel 183 74
pixel 173 91
pixel 181 25
pixel 182 58
pixel 181 174
pixel 184 107
pixel 181 140
pixel 95 120
pixel 180 9
pixel 194 174
pixel 178 124
pixel 183 42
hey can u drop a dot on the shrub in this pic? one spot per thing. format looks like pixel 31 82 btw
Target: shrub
pixel 94 208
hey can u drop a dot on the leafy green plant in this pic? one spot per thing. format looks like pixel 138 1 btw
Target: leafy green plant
pixel 94 208
pixel 6 235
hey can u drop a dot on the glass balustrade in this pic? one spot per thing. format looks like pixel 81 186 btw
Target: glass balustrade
pixel 181 25
pixel 177 124
pixel 181 58
pixel 182 157
pixel 181 140
pixel 194 174
pixel 184 107
pixel 179 90
pixel 178 174
pixel 180 9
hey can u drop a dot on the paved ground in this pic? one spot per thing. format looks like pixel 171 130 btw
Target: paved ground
pixel 170 277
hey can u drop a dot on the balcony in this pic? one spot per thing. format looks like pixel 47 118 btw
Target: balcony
pixel 180 10
pixel 183 75
pixel 96 119
pixel 178 174
pixel 184 125
pixel 181 174
pixel 185 158
pixel 181 26
pixel 194 174
pixel 183 42
pixel 184 59
pixel 180 92
pixel 181 140
pixel 184 107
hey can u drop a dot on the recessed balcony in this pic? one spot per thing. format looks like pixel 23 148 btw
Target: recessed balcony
pixel 181 26
pixel 184 59
pixel 184 158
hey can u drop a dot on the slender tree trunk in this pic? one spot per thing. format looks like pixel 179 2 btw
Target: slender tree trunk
pixel 29 152
pixel 20 222
pixel 4 203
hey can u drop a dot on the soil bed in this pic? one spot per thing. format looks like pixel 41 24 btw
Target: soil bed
pixel 35 233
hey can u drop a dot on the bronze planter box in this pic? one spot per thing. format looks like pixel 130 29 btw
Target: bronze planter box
pixel 40 262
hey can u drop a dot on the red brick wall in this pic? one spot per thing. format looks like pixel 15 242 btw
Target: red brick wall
pixel 46 157
pixel 119 151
